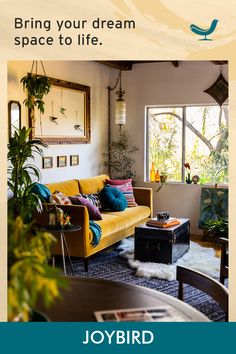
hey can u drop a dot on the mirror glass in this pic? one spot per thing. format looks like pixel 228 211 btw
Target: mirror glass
pixel 14 113
pixel 66 118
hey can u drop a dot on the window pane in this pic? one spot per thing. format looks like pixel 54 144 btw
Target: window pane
pixel 207 143
pixel 165 140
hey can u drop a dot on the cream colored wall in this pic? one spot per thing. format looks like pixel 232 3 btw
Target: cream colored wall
pixel 146 84
pixel 96 76
pixel 163 84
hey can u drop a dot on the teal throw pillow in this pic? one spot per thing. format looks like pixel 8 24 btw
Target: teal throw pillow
pixel 42 191
pixel 113 199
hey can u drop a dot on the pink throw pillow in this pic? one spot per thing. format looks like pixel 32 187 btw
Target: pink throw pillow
pixel 127 190
pixel 116 182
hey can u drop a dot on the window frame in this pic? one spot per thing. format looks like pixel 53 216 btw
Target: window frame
pixel 146 138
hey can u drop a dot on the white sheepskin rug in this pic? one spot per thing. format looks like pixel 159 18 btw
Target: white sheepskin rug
pixel 199 258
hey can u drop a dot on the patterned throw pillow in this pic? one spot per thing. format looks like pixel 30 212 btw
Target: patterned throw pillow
pixel 94 199
pixel 116 182
pixel 127 190
pixel 60 198
pixel 94 213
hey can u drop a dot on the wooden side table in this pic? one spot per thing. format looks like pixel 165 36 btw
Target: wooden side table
pixel 62 231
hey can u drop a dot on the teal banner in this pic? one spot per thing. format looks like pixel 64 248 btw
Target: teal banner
pixel 118 338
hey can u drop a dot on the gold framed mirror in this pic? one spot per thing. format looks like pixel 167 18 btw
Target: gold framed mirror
pixel 66 118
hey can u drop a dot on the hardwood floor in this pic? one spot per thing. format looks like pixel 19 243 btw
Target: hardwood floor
pixel 207 244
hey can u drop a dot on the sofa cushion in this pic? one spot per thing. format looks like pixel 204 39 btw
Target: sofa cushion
pixel 120 220
pixel 42 191
pixel 69 187
pixel 127 190
pixel 94 213
pixel 94 199
pixel 112 199
pixel 117 182
pixel 60 198
pixel 92 185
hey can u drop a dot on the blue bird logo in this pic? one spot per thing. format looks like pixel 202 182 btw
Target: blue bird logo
pixel 204 32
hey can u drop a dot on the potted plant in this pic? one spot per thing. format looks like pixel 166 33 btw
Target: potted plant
pixel 120 157
pixel 163 181
pixel 23 201
pixel 214 229
pixel 163 178
pixel 29 275
pixel 37 87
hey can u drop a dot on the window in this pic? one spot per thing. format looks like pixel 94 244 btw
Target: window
pixel 194 134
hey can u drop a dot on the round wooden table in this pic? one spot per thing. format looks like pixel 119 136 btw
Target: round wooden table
pixel 86 296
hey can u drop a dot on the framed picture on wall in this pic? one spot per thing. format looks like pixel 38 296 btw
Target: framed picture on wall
pixel 66 118
pixel 61 161
pixel 74 160
pixel 47 162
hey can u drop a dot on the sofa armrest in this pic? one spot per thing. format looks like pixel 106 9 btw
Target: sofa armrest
pixel 144 196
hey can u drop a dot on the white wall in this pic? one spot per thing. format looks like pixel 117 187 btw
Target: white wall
pixel 146 84
pixel 96 76
pixel 163 84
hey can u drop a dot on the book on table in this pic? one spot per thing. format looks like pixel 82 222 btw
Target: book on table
pixel 162 313
pixel 163 223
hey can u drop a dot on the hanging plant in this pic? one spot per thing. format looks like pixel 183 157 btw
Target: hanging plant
pixel 37 86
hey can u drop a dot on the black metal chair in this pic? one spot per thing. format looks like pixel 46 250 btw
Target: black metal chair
pixel 224 260
pixel 205 283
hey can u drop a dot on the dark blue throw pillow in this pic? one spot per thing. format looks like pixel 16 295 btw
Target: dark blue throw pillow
pixel 42 191
pixel 113 199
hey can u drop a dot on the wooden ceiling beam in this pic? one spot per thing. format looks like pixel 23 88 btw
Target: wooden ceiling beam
pixel 126 65
pixel 120 65
pixel 219 62
pixel 175 63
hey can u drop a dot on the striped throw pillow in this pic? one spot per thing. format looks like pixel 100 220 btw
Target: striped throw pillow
pixel 127 190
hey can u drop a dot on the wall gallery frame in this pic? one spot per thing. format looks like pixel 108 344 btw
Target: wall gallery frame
pixel 47 162
pixel 66 118
pixel 61 161
pixel 74 160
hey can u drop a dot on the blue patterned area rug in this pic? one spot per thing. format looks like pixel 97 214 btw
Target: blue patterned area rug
pixel 109 265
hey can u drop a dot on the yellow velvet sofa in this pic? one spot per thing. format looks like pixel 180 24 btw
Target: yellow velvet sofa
pixel 114 225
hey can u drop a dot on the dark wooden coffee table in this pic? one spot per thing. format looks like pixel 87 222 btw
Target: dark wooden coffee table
pixel 89 295
pixel 162 245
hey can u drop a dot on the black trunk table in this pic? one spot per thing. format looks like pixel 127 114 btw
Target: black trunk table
pixel 162 245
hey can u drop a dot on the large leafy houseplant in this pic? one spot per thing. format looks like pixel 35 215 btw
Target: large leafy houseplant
pixel 29 275
pixel 30 278
pixel 21 174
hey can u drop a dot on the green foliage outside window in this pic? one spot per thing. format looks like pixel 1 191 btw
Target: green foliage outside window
pixel 205 146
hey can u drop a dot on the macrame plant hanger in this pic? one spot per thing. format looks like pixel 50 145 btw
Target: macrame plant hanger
pixel 35 65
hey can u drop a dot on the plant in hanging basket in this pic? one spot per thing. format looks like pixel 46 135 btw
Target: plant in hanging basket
pixel 37 87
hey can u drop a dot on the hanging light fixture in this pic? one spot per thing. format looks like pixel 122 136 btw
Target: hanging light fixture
pixel 120 111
